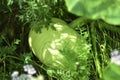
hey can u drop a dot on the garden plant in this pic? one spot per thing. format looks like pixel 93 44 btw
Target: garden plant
pixel 59 40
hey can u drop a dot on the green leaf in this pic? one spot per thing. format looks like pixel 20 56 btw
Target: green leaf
pixel 112 72
pixel 10 2
pixel 108 10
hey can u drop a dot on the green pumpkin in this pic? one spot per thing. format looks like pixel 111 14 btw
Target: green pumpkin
pixel 57 46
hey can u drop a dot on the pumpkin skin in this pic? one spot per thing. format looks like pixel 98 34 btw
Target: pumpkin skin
pixel 57 46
